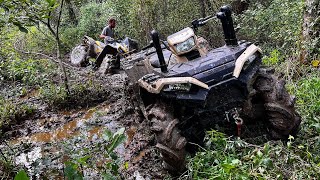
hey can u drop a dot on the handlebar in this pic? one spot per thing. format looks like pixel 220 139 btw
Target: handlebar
pixel 201 22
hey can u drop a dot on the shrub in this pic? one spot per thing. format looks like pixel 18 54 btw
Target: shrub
pixel 226 158
pixel 10 113
pixel 276 24
pixel 93 17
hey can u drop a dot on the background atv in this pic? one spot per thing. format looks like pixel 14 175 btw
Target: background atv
pixel 186 88
pixel 107 56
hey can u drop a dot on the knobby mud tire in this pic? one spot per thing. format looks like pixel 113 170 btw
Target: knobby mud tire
pixel 169 140
pixel 78 55
pixel 278 105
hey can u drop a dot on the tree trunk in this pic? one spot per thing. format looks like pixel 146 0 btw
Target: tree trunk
pixel 310 31
pixel 72 14
pixel 202 8
pixel 59 51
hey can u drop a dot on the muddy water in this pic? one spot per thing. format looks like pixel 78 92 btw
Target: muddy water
pixel 81 130
pixel 42 146
pixel 66 131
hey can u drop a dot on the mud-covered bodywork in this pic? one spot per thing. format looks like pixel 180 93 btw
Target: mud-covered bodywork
pixel 186 89
pixel 215 69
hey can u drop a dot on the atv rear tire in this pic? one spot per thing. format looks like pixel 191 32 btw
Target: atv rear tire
pixel 278 105
pixel 169 140
pixel 78 55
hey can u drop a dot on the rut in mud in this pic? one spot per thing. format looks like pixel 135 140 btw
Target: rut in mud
pixel 44 143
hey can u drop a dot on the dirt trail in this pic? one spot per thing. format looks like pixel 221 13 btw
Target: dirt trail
pixel 44 144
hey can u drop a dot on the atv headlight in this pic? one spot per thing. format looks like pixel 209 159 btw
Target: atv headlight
pixel 185 46
pixel 178 87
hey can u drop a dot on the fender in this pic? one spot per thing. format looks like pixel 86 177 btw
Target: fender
pixel 157 86
pixel 243 58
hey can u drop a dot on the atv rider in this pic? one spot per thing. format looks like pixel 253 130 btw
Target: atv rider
pixel 108 32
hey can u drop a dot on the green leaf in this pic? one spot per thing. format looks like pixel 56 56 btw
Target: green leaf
pixel 235 162
pixel 83 160
pixel 72 173
pixel 316 126
pixel 267 162
pixel 119 132
pixel 126 165
pixel 227 167
pixel 51 2
pixel 291 138
pixel 21 175
pixel 107 135
pixel 108 176
pixel 259 154
pixel 116 142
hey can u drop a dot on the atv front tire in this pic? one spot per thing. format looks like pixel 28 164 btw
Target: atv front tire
pixel 279 107
pixel 169 140
pixel 78 55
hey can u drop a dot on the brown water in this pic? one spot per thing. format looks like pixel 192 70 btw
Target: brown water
pixel 67 130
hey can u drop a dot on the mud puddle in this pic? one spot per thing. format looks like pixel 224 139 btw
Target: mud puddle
pixel 68 130
pixel 45 145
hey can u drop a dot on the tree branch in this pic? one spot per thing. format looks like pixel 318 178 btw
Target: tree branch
pixel 44 55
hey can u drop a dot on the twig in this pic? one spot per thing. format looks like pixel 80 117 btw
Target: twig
pixel 44 55
pixel 197 145
pixel 8 146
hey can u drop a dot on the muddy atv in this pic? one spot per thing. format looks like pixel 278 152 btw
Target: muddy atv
pixel 187 88
pixel 107 56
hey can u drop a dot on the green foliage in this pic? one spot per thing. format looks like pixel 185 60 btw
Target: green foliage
pixel 22 13
pixel 53 94
pixel 110 170
pixel 37 40
pixel 71 171
pixel 83 93
pixel 93 18
pixel 136 19
pixel 308 93
pixel 11 113
pixel 273 58
pixel 225 158
pixel 28 71
pixel 21 175
pixel 18 67
pixel 275 25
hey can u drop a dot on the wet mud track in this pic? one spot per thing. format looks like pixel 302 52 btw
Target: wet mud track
pixel 43 145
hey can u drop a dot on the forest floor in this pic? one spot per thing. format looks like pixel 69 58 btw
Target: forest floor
pixel 49 138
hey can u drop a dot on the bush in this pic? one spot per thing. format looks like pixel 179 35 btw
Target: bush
pixel 93 17
pixel 30 71
pixel 19 67
pixel 226 158
pixel 11 113
pixel 82 94
pixel 308 93
pixel 276 24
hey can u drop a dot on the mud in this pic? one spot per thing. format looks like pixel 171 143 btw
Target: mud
pixel 46 141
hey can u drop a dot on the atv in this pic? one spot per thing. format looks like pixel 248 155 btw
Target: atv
pixel 107 56
pixel 186 88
